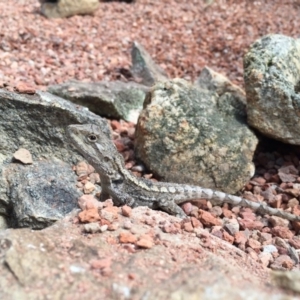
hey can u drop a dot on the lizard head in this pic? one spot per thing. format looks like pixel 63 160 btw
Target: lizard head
pixel 96 148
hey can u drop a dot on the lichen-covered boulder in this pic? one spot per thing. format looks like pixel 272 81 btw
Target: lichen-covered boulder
pixel 67 8
pixel 190 135
pixel 272 82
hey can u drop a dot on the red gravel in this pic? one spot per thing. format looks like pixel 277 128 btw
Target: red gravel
pixel 182 36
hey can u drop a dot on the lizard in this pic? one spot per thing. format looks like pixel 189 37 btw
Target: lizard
pixel 125 188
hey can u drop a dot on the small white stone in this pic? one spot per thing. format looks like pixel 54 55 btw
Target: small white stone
pixel 23 155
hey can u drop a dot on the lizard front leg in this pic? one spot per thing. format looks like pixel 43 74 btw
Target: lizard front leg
pixel 121 198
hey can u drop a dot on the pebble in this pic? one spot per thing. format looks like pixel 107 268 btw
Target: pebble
pixel 127 237
pixel 282 232
pixel 89 215
pixel 81 169
pixel 266 258
pixel 88 202
pixel 270 249
pixel 282 262
pixel 127 224
pixel 88 188
pixel 126 210
pixel 92 227
pixel 277 221
pixel 145 241
pixel 24 156
pixel 231 226
pixel 208 219
pixel 25 88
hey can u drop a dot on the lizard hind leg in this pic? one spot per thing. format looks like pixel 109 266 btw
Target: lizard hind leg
pixel 171 207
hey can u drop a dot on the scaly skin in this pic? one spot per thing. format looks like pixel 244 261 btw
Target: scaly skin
pixel 125 188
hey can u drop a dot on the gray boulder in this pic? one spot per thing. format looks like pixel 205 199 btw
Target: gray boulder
pixel 38 123
pixel 110 99
pixel 191 135
pixel 272 76
pixel 41 193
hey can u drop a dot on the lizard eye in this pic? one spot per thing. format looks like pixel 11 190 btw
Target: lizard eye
pixel 92 138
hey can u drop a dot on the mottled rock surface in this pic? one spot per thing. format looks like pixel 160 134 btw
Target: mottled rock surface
pixel 62 261
pixel 67 8
pixel 191 135
pixel 143 67
pixel 38 123
pixel 272 82
pixel 114 99
pixel 40 194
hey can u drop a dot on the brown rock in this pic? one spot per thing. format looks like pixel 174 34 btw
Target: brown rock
pixel 126 210
pixel 25 88
pixel 196 223
pixel 247 214
pixel 24 156
pixel 115 125
pixel 187 226
pixel 227 213
pixel 282 232
pixel 127 237
pixel 89 215
pixel 240 237
pixel 227 237
pixel 277 221
pixel 254 244
pixel 145 241
pixel 250 224
pixel 208 219
pixel 105 222
pixel 252 253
